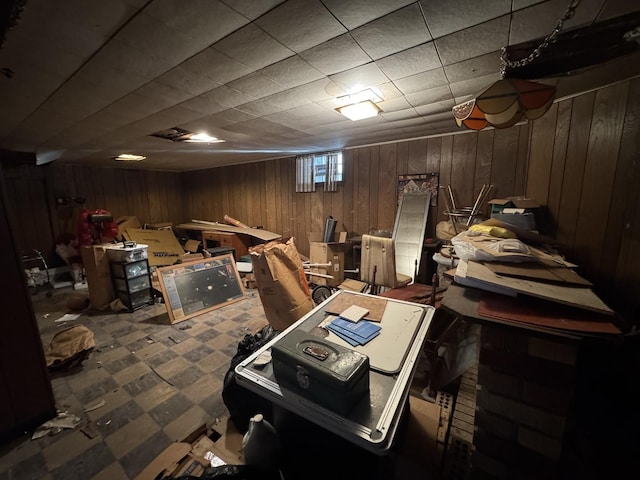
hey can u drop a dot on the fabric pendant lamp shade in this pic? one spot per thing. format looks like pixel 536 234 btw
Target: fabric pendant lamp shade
pixel 504 103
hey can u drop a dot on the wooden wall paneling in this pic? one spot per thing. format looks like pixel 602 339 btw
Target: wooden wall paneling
pixel 592 236
pixel 355 210
pixel 540 156
pixel 417 161
pixel 484 156
pixel 577 144
pixel 272 193
pixel 403 158
pixel 624 214
pixel 557 165
pixel 362 189
pixel 286 177
pixel 387 186
pixel 462 173
pixel 504 163
pixel 524 140
pixel 446 159
pixel 96 180
pixel 347 191
pixel 375 195
pixel 318 214
pixel 434 153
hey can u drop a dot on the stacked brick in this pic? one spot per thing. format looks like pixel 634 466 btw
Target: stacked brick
pixel 526 382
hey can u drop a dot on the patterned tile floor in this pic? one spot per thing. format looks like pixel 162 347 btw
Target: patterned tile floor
pixel 159 382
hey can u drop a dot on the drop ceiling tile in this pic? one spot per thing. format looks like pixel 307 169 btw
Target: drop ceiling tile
pixel 354 13
pixel 474 67
pixel 393 116
pixel 226 96
pixel 259 108
pixel 291 72
pixel 187 80
pixel 444 18
pixel 359 78
pixel 421 81
pixel 395 104
pixel 428 96
pixel 216 66
pixel 300 24
pixel 473 42
pixel 436 107
pixel 336 55
pixel 397 31
pixel 388 91
pixel 231 116
pixel 253 47
pixel 250 8
pixel 288 99
pixel 411 61
pixel 256 85
pixel 616 8
pixel 204 22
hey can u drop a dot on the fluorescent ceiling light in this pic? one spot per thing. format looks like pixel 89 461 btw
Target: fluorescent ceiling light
pixel 360 110
pixel 202 138
pixel 129 157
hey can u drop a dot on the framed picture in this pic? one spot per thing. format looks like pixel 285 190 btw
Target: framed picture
pixel 199 286
pixel 419 182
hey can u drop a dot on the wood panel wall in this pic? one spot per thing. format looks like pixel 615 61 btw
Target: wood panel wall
pixel 579 160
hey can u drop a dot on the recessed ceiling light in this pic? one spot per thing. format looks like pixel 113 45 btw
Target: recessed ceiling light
pixel 177 134
pixel 202 138
pixel 129 157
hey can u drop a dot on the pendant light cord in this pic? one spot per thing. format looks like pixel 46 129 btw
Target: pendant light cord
pixel 548 40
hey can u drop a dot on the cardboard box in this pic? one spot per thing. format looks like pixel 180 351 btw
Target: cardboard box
pixel 523 204
pixel 125 222
pixel 332 253
pixel 98 274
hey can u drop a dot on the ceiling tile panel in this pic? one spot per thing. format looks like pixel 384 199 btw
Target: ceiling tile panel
pixel 336 55
pixel 359 78
pixel 253 47
pixel 397 31
pixel 464 89
pixel 259 108
pixel 421 81
pixel 475 41
pixel 431 95
pixel 411 61
pixel 256 85
pixel 436 107
pixel 444 18
pixel 216 66
pixel 250 8
pixel 354 13
pixel 474 67
pixel 301 24
pixel 292 72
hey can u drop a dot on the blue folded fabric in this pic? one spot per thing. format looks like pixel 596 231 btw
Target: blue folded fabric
pixel 358 333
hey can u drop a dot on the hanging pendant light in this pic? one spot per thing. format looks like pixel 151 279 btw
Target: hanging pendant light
pixel 509 100
pixel 504 103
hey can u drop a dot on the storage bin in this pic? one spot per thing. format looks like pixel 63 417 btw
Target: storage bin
pixel 134 284
pixel 136 300
pixel 120 253
pixel 129 270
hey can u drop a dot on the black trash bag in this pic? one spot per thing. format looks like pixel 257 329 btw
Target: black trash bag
pixel 242 403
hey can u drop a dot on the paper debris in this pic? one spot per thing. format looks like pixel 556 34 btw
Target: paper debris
pixel 68 317
pixel 95 406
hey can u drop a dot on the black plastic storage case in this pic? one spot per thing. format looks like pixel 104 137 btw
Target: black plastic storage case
pixel 329 374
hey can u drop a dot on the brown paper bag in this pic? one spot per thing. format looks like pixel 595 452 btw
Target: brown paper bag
pixel 281 281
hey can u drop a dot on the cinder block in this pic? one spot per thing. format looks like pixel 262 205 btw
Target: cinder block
pixel 543 444
pixel 555 351
pixel 502 383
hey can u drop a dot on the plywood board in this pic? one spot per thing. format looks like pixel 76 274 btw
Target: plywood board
pixel 203 225
pixel 544 314
pixel 480 276
pixel 163 246
pixel 375 305
pixel 197 287
pixel 541 273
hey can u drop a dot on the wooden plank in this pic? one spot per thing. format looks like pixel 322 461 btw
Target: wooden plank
pixel 577 143
pixel 503 166
pixel 540 155
pixel 375 196
pixel 480 276
pixel 520 177
pixel 446 159
pixel 387 185
pixel 464 154
pixel 347 195
pixel 600 167
pixel 362 189
pixel 557 167
pixel 417 160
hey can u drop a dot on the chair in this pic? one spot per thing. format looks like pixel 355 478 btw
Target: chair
pixel 378 264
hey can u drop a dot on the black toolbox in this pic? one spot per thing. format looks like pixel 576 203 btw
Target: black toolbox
pixel 331 375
